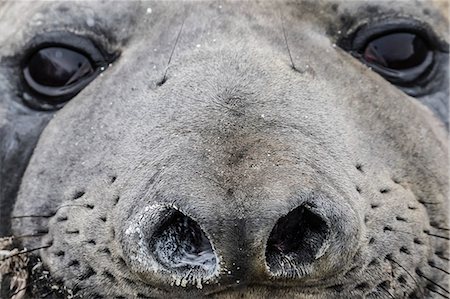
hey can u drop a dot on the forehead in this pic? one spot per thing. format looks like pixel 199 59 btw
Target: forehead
pixel 124 19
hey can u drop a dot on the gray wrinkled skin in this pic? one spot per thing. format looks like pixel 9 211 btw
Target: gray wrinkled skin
pixel 234 139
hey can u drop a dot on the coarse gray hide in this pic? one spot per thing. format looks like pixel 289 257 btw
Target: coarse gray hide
pixel 227 149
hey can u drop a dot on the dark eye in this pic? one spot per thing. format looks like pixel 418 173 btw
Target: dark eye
pixel 403 58
pixel 58 73
pixel 404 51
pixel 397 51
pixel 58 66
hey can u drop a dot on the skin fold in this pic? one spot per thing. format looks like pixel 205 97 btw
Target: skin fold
pixel 212 122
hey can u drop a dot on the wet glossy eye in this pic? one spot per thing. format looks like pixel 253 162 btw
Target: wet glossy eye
pixel 58 71
pixel 404 51
pixel 397 51
pixel 57 67
pixel 403 58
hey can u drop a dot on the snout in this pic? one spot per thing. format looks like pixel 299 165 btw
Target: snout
pixel 312 241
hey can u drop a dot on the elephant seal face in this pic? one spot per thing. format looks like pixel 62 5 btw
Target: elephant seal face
pixel 230 150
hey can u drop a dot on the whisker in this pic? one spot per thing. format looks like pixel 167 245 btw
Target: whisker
pixel 286 41
pixel 437 292
pixel 30 236
pixel 173 50
pixel 384 289
pixel 433 265
pixel 407 272
pixel 437 236
pixel 441 228
pixel 25 252
pixel 430 280
pixel 32 216
pixel 53 213
pixel 429 202
pixel 444 258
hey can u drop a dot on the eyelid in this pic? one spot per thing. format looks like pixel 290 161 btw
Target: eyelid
pixel 60 91
pixel 400 76
pixel 79 43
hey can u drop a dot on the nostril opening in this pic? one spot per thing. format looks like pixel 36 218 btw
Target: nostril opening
pixel 181 246
pixel 299 237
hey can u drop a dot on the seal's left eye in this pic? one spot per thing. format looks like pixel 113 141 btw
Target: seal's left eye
pixel 58 72
pixel 401 50
pixel 401 57
pixel 404 51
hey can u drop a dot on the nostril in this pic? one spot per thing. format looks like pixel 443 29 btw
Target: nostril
pixel 296 241
pixel 179 244
pixel 163 245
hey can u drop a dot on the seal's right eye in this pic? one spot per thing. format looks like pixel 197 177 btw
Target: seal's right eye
pixel 55 70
